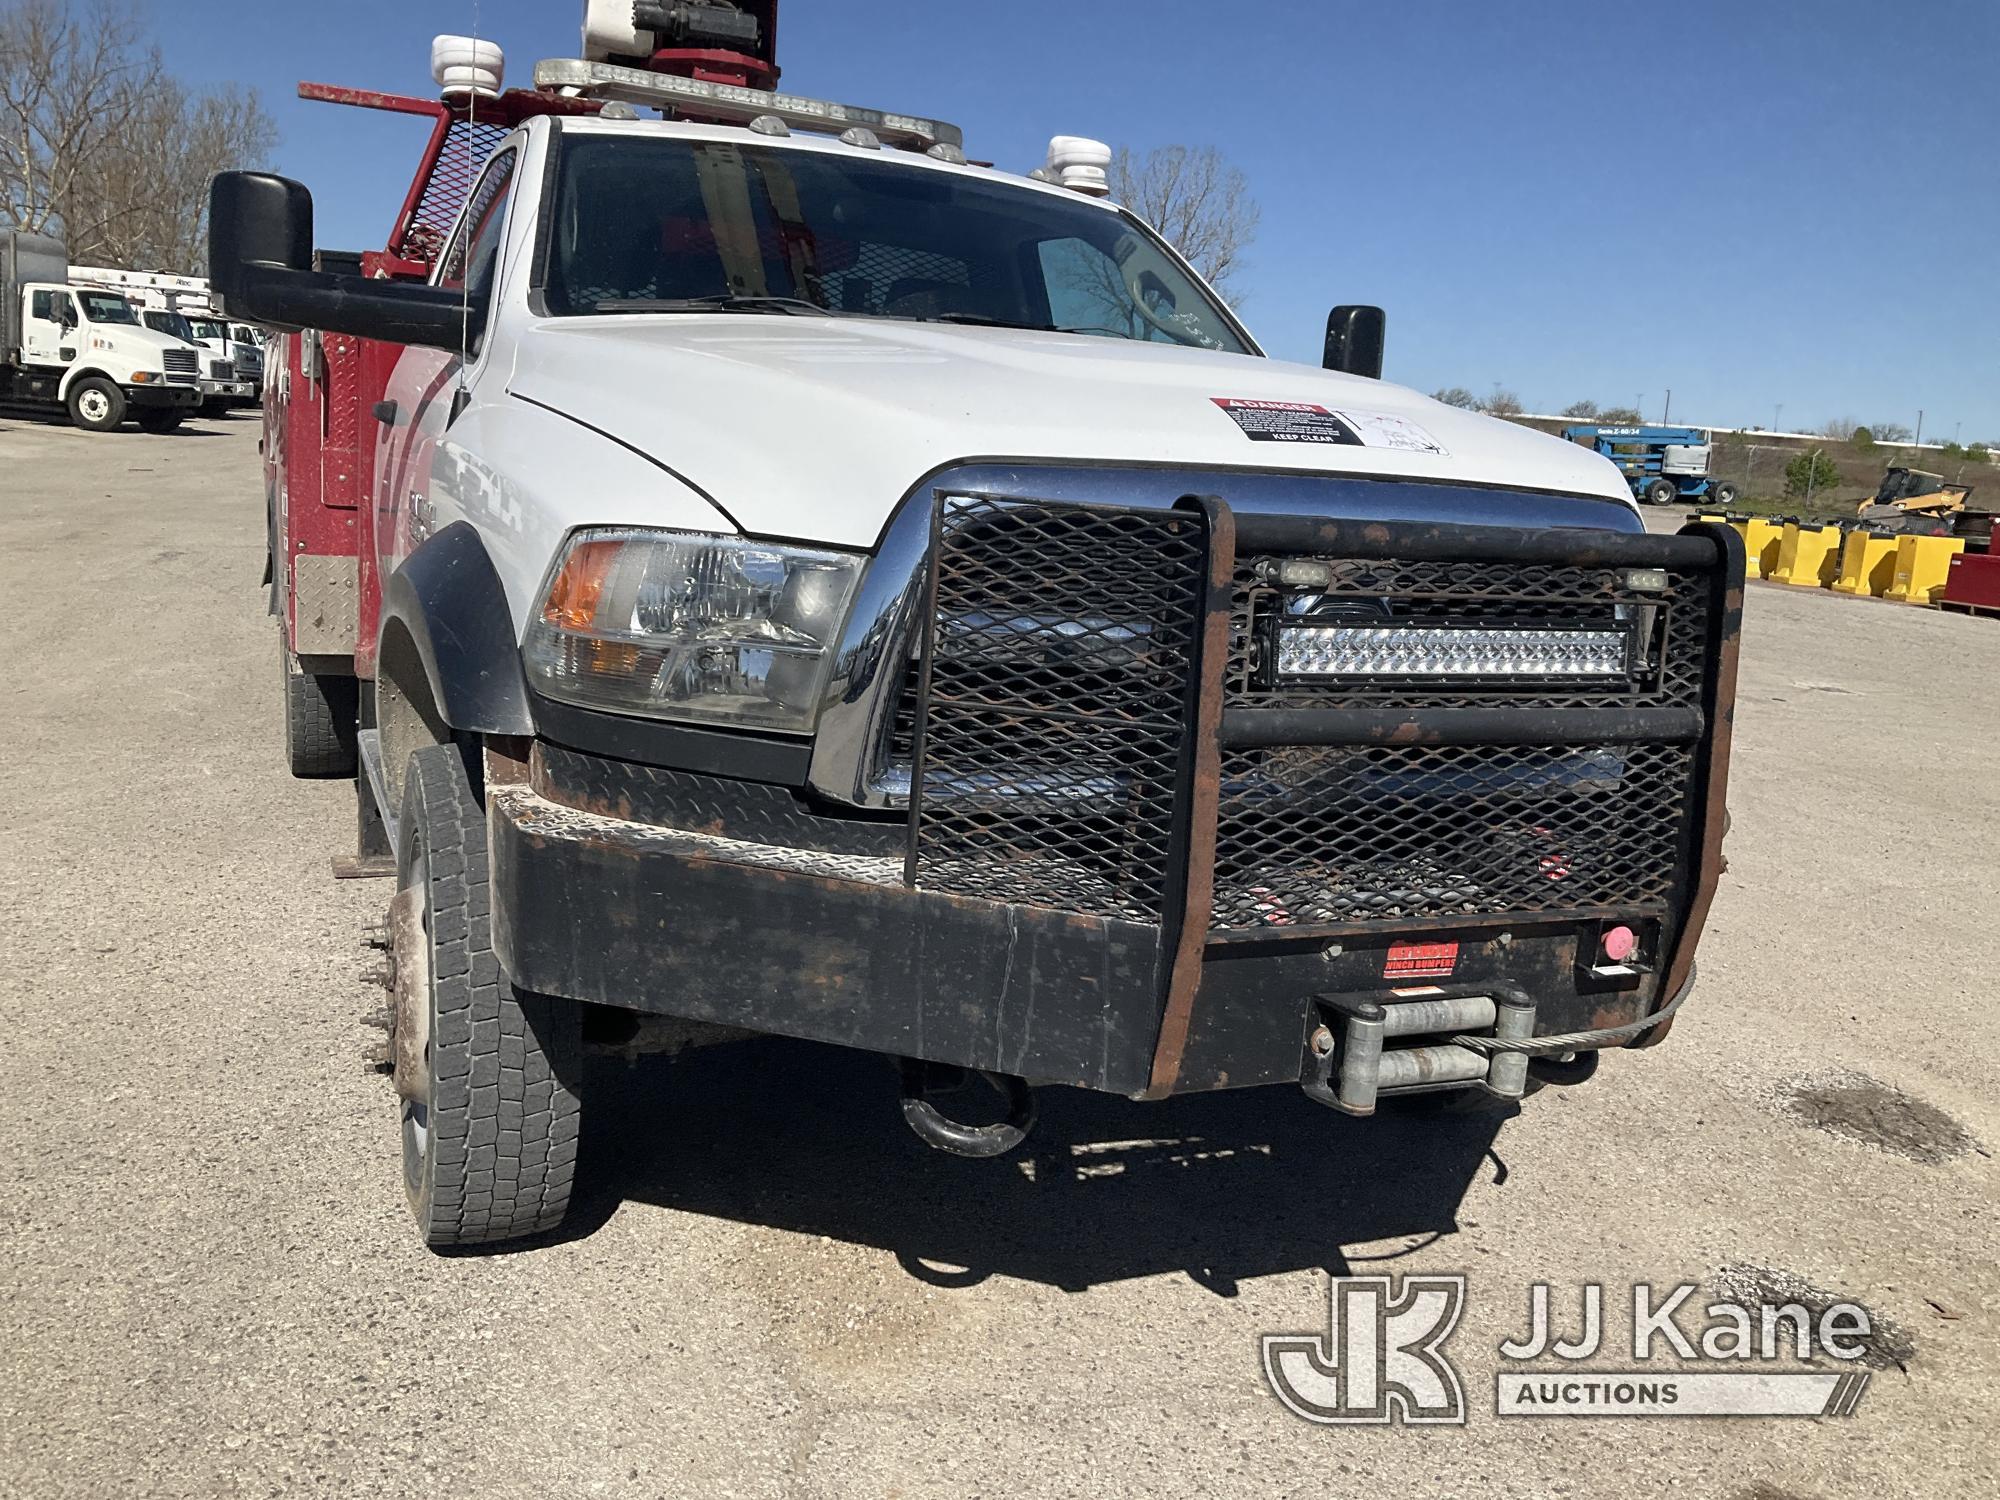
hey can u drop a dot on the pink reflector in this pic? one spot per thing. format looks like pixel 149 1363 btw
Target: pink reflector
pixel 1620 943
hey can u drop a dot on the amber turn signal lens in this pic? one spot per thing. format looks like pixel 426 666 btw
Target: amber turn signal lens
pixel 573 597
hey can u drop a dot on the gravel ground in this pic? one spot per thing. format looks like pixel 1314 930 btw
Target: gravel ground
pixel 209 1285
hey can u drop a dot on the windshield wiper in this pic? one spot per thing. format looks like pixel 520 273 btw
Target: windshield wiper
pixel 721 302
pixel 981 320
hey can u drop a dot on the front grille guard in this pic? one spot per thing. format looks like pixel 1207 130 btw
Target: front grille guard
pixel 1571 807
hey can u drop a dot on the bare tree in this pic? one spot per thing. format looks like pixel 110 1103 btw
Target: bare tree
pixel 1457 395
pixel 1840 429
pixel 1196 199
pixel 1581 410
pixel 1502 403
pixel 100 145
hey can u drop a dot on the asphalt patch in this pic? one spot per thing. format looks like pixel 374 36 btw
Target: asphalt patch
pixel 1888 1346
pixel 1865 1110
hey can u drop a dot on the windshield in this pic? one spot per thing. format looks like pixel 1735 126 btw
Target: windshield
pixel 207 328
pixel 101 307
pixel 650 225
pixel 169 323
pixel 243 333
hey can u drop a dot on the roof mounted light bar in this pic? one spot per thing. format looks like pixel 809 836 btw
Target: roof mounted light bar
pixel 721 101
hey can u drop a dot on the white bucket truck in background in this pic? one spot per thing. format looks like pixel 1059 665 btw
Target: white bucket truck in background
pixel 82 349
pixel 232 359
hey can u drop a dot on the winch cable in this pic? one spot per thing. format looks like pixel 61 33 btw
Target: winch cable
pixel 1575 1041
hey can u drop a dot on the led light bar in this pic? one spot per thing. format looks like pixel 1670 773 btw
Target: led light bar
pixel 1449 651
pixel 598 80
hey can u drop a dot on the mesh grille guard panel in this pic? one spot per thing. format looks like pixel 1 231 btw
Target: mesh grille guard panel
pixel 1313 835
pixel 1324 835
pixel 466 146
pixel 1053 700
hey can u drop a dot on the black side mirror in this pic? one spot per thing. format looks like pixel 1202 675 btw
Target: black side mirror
pixel 1354 336
pixel 260 231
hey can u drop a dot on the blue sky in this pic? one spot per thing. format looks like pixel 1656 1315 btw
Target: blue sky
pixel 1790 201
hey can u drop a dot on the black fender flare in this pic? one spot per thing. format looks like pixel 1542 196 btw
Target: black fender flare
pixel 447 601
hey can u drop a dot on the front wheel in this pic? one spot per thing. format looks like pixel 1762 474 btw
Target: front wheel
pixel 1723 495
pixel 160 420
pixel 1662 492
pixel 487 1076
pixel 95 404
pixel 215 407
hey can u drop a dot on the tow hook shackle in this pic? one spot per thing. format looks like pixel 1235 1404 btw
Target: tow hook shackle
pixel 938 1130
pixel 1381 1048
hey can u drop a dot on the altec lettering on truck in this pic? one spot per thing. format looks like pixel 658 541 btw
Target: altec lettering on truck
pixel 763 571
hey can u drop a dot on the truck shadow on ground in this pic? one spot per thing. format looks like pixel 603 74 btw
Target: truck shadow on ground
pixel 1224 1187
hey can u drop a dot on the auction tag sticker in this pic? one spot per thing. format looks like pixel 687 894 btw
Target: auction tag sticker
pixel 1380 430
pixel 1307 422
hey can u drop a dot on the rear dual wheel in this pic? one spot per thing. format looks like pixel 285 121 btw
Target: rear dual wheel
pixel 322 714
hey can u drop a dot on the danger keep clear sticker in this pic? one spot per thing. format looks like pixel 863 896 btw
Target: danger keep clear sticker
pixel 1305 422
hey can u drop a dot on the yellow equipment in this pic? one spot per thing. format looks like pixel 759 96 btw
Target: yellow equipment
pixel 1915 492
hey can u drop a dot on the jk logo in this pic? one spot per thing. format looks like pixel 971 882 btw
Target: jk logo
pixel 1381 1357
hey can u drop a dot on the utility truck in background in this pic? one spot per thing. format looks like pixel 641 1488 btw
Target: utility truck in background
pixel 764 572
pixel 82 351
pixel 1663 465
pixel 232 359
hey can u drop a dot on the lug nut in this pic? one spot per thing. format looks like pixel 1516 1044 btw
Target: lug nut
pixel 1322 1042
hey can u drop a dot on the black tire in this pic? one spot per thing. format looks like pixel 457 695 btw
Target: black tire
pixel 321 717
pixel 489 1143
pixel 1723 494
pixel 157 419
pixel 215 408
pixel 96 405
pixel 1662 492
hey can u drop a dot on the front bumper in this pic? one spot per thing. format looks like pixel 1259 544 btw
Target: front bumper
pixel 1203 872
pixel 170 397
pixel 234 390
pixel 832 947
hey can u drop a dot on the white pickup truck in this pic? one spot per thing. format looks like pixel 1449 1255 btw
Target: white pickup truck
pixel 813 585
pixel 81 350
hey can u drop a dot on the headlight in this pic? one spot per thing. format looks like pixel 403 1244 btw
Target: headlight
pixel 676 625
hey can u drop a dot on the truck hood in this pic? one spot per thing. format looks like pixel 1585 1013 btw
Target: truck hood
pixel 816 427
pixel 135 340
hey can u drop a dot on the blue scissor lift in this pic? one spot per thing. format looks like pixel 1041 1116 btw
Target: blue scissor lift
pixel 1662 464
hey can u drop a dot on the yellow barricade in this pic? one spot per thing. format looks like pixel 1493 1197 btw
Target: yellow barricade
pixel 1867 564
pixel 1808 557
pixel 1761 540
pixel 1922 565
